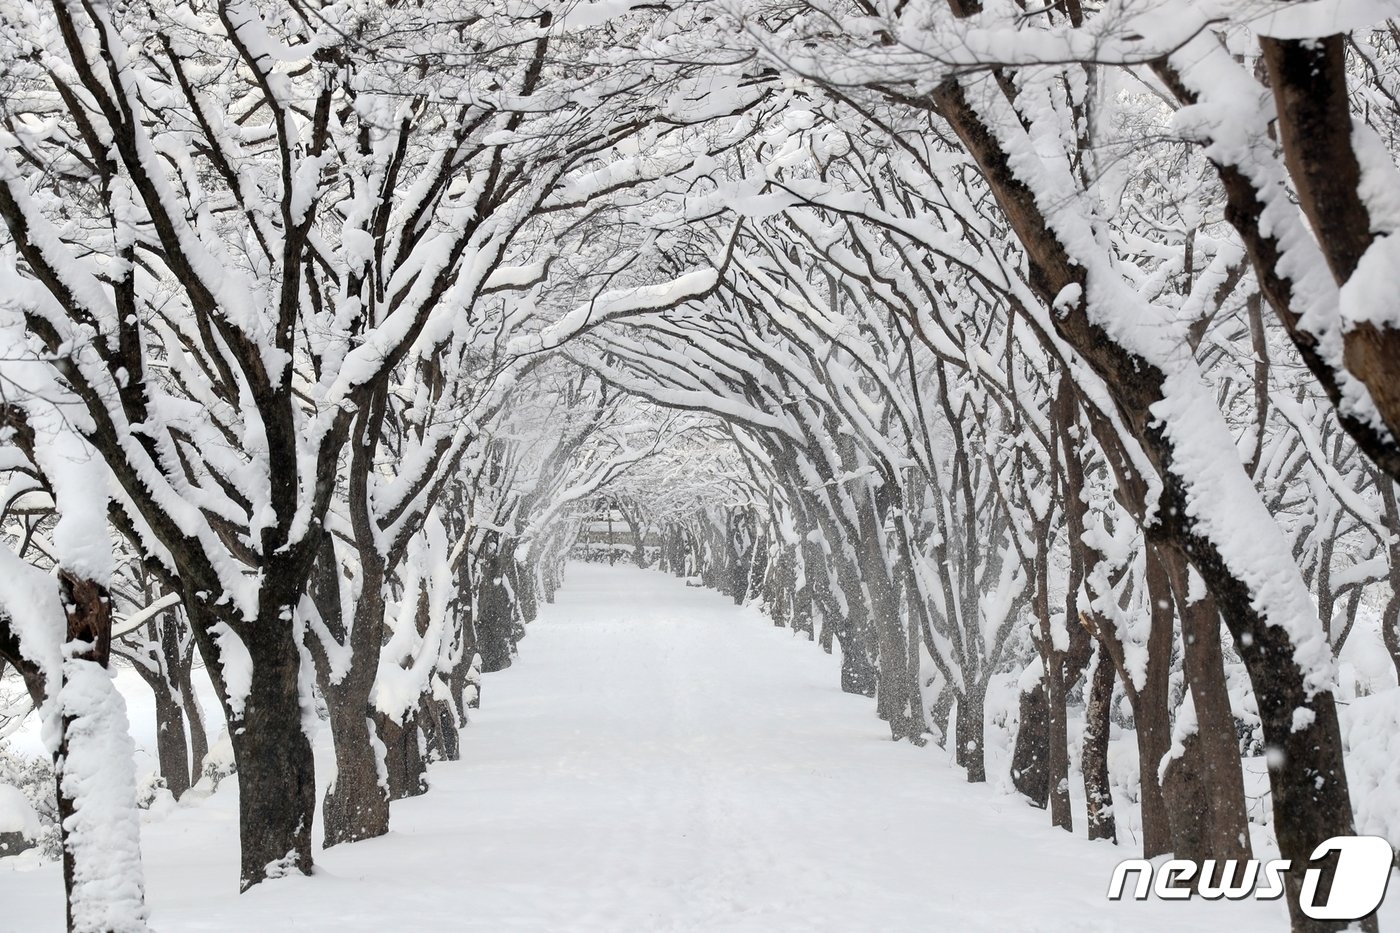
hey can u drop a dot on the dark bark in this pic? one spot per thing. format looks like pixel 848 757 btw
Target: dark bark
pixel 1056 706
pixel 403 753
pixel 172 749
pixel 1030 758
pixel 893 694
pixel 522 580
pixel 1209 818
pixel 971 728
pixel 1151 714
pixel 1314 125
pixel 1056 691
pixel 439 729
pixel 172 745
pixel 1098 791
pixel 779 587
pixel 159 667
pixel 276 771
pixel 495 611
pixel 356 805
pixel 194 715
pixel 638 532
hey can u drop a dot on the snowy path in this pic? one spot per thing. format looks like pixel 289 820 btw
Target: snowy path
pixel 659 760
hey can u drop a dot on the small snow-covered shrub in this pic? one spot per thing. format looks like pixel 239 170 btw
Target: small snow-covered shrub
pixel 19 824
pixel 153 793
pixel 32 777
pixel 218 763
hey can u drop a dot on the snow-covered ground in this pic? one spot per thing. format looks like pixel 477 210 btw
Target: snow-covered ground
pixel 659 760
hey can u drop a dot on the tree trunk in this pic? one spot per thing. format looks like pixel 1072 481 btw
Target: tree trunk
pixel 356 805
pixel 1390 616
pixel 1151 715
pixel 1057 728
pixel 1030 759
pixel 858 673
pixel 172 749
pixel 194 717
pixel 100 829
pixel 1390 631
pixel 1056 691
pixel 522 579
pixel 1210 819
pixel 971 728
pixel 439 729
pixel 357 802
pixel 1098 791
pixel 494 612
pixel 408 775
pixel 172 746
pixel 276 771
pixel 892 697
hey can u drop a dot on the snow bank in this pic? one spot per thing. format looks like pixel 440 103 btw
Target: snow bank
pixel 1371 735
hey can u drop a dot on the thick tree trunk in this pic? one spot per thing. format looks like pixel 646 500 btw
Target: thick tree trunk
pixel 439 729
pixel 638 533
pixel 1151 715
pixel 357 802
pixel 522 584
pixel 820 603
pixel 407 770
pixel 756 569
pixel 802 608
pixel 1030 758
pixel 172 749
pixel 464 680
pixel 971 727
pixel 356 805
pixel 1057 730
pixel 1098 792
pixel 939 712
pixel 172 746
pixel 276 772
pixel 547 585
pixel 858 674
pixel 1053 661
pixel 778 588
pixel 892 697
pixel 1209 821
pixel 494 609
